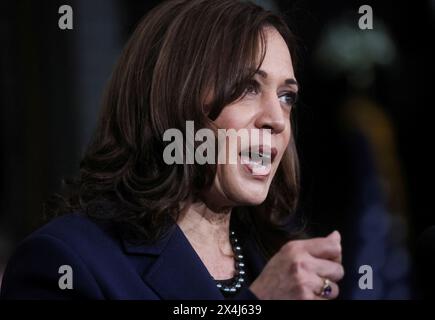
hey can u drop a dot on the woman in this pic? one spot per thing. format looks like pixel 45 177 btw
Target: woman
pixel 140 228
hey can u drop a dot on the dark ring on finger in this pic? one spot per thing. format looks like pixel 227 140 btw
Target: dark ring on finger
pixel 326 289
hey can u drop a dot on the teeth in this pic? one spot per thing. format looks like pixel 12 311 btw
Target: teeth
pixel 258 169
pixel 258 161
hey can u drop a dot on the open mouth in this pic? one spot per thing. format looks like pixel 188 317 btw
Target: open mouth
pixel 257 160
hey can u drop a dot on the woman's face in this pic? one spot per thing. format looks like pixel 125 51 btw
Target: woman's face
pixel 267 105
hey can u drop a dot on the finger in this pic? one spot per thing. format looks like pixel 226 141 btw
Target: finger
pixel 337 236
pixel 326 248
pixel 338 259
pixel 327 269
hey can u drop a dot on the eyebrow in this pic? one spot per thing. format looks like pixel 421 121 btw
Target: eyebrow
pixel 290 81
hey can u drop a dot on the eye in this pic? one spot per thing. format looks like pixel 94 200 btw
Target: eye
pixel 289 98
pixel 253 87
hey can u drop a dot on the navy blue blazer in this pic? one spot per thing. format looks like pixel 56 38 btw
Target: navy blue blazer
pixel 106 267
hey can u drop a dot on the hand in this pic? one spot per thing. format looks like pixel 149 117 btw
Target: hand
pixel 299 268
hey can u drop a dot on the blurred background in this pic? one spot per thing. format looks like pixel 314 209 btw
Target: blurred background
pixel 364 120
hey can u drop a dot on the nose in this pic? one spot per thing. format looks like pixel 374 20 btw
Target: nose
pixel 271 115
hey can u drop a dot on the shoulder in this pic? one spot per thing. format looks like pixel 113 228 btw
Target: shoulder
pixel 76 230
pixel 72 241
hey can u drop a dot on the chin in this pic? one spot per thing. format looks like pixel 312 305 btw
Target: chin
pixel 254 200
pixel 243 188
pixel 250 193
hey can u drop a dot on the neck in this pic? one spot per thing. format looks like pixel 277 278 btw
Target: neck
pixel 203 225
pixel 208 233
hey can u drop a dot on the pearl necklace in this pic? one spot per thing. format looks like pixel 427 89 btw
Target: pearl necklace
pixel 239 278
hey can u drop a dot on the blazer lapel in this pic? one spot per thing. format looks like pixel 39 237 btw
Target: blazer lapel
pixel 177 273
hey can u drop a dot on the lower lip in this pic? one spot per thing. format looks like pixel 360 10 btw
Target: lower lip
pixel 248 170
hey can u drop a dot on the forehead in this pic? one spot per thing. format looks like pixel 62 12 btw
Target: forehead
pixel 277 61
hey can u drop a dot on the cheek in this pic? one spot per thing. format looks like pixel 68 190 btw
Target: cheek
pixel 226 122
pixel 284 141
pixel 287 134
pixel 234 117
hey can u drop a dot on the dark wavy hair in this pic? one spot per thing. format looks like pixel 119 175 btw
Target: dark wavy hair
pixel 180 52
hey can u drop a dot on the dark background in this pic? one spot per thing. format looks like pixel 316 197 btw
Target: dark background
pixel 51 83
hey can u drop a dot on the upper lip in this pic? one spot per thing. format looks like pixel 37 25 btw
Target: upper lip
pixel 263 150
